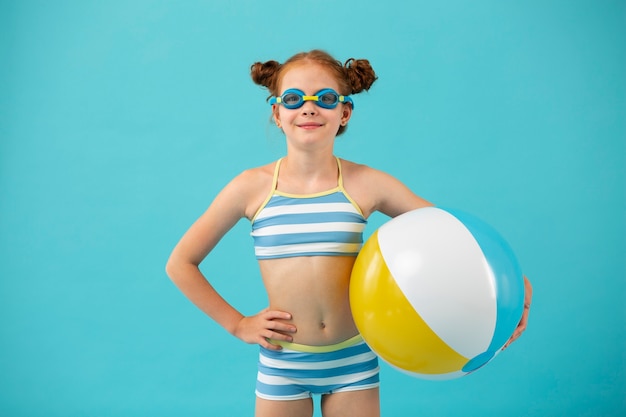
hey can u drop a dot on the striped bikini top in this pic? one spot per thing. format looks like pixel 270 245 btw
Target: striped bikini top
pixel 323 224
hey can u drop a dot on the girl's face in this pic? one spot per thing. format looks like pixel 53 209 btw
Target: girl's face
pixel 310 125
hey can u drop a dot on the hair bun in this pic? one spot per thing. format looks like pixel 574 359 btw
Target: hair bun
pixel 360 74
pixel 264 73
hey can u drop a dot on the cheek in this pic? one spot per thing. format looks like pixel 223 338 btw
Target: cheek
pixel 286 116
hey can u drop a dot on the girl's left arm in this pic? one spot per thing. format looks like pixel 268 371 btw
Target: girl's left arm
pixel 392 197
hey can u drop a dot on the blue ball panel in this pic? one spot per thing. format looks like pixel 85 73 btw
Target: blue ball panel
pixel 479 361
pixel 506 271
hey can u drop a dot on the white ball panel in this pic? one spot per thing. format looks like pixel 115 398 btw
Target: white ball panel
pixel 443 273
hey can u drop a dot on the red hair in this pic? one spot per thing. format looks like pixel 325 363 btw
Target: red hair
pixel 353 76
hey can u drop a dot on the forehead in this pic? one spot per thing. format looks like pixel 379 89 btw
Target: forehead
pixel 308 77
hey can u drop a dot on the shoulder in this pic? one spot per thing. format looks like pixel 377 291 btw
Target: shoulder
pixel 363 174
pixel 253 177
pixel 354 169
pixel 376 190
pixel 250 188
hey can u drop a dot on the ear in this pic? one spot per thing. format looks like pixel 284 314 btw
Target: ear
pixel 276 115
pixel 346 114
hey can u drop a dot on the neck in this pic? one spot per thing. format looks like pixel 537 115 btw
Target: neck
pixel 307 174
pixel 310 164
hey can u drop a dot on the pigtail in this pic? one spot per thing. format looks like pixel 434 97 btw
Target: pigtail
pixel 360 74
pixel 265 74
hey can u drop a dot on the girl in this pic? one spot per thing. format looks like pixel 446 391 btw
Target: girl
pixel 308 211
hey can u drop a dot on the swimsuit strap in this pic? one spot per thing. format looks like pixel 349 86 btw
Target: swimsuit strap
pixel 340 179
pixel 272 190
pixel 275 179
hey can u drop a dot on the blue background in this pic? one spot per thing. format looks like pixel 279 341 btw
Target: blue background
pixel 121 120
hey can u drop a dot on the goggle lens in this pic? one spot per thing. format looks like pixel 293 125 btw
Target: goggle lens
pixel 328 99
pixel 292 100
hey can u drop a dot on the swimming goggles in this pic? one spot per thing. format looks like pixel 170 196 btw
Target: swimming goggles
pixel 326 98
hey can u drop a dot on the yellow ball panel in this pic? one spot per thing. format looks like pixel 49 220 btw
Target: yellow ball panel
pixel 389 323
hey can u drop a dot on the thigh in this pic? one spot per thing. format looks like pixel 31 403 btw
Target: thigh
pixel 363 403
pixel 291 408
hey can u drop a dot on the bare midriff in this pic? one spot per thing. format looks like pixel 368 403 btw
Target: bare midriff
pixel 314 290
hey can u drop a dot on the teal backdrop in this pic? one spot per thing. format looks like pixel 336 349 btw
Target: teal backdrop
pixel 121 120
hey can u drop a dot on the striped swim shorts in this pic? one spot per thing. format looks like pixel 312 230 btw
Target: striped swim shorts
pixel 299 371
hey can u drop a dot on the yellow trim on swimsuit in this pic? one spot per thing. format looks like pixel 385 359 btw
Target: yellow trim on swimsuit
pixel 318 349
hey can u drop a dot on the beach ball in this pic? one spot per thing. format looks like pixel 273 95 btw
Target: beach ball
pixel 436 293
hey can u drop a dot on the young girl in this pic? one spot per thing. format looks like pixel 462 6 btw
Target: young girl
pixel 308 211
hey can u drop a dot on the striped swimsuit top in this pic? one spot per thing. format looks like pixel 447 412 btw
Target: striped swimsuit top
pixel 323 224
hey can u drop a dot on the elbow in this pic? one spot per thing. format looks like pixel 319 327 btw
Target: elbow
pixel 179 270
pixel 170 269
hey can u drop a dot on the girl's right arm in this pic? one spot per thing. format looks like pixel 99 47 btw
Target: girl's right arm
pixel 230 205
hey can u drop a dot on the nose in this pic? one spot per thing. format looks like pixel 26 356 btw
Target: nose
pixel 309 108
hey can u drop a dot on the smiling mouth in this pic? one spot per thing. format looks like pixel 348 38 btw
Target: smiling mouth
pixel 310 125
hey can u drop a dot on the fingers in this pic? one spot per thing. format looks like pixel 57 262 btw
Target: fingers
pixel 275 314
pixel 520 327
pixel 280 326
pixel 517 333
pixel 266 326
pixel 277 330
pixel 272 319
pixel 269 345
